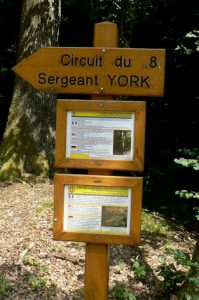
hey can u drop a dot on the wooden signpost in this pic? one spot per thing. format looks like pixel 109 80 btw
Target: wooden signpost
pixel 101 136
pixel 97 255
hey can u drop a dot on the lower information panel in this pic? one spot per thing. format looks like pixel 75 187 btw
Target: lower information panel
pixel 97 209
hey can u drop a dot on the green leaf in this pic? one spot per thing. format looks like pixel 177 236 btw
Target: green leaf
pixel 132 297
pixel 136 265
pixel 191 35
pixel 187 162
pixel 188 297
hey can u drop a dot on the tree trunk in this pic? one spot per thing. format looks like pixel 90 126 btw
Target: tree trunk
pixel 28 142
pixel 190 288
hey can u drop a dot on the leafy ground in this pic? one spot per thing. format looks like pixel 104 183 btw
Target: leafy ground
pixel 33 266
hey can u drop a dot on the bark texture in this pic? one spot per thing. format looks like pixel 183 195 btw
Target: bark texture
pixel 28 142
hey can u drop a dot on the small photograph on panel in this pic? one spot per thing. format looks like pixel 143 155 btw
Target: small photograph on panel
pixel 121 142
pixel 114 216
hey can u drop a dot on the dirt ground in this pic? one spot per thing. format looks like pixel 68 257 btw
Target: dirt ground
pixel 33 266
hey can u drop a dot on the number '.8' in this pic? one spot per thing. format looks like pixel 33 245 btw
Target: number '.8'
pixel 153 62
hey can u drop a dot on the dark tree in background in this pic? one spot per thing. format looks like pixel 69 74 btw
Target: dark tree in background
pixel 28 142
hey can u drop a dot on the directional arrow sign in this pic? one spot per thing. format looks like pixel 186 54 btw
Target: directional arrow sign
pixel 114 71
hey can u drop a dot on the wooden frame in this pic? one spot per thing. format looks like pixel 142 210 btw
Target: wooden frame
pixel 134 183
pixel 139 110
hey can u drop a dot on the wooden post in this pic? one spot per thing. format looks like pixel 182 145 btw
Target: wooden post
pixel 97 255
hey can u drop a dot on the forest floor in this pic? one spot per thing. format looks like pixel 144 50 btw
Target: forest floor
pixel 33 266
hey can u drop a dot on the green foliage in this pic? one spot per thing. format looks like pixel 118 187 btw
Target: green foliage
pixel 3 70
pixel 120 292
pixel 189 43
pixel 191 159
pixel 186 194
pixel 173 276
pixel 154 224
pixel 189 195
pixel 80 292
pixel 121 264
pixel 181 257
pixel 46 204
pixel 187 162
pixel 192 284
pixel 5 286
pixel 197 212
pixel 139 270
pixel 45 269
pixel 36 282
pixel 30 260
pixel 190 290
pixel 191 162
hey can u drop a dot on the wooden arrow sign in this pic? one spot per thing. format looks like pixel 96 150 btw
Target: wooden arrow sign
pixel 114 71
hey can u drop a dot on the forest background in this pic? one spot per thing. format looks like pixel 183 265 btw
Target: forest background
pixel 172 126
pixel 172 121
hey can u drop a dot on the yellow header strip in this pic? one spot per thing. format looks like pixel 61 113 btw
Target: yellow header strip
pixel 102 114
pixel 97 190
